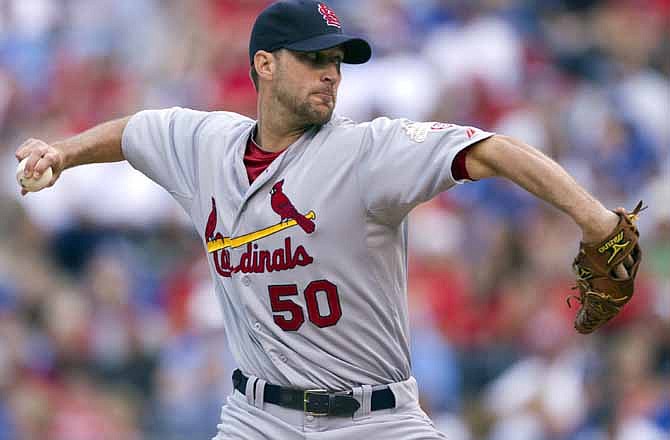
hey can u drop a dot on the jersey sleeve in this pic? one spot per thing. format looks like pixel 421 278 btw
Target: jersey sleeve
pixel 162 144
pixel 404 163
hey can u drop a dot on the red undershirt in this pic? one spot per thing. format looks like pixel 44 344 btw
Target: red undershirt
pixel 257 160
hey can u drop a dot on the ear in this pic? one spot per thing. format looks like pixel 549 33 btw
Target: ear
pixel 265 63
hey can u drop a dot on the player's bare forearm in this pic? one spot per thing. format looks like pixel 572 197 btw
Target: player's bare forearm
pixel 535 172
pixel 96 145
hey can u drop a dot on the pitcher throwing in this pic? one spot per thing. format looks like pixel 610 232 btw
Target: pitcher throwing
pixel 303 216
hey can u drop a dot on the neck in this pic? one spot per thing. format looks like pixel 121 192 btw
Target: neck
pixel 276 129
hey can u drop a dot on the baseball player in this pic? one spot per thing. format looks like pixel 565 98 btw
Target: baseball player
pixel 303 217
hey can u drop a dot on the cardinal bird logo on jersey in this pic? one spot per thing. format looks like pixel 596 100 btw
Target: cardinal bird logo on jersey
pixel 283 206
pixel 255 259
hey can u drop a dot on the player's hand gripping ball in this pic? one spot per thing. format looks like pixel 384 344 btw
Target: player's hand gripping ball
pixel 32 184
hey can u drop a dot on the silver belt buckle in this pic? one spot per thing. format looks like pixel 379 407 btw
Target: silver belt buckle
pixel 322 405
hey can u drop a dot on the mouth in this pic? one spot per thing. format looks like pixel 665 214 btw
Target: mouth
pixel 327 98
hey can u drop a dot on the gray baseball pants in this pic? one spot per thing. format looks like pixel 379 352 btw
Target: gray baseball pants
pixel 247 417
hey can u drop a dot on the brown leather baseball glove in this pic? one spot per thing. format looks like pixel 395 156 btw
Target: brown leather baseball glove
pixel 603 292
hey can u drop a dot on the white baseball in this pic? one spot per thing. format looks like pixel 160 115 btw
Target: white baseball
pixel 31 184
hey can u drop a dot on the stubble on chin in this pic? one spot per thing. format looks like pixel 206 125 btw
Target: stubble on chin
pixel 311 115
pixel 305 113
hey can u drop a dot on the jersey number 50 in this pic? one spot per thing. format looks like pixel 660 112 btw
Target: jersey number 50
pixel 280 305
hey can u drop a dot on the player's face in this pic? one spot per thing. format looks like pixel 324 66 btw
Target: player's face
pixel 306 83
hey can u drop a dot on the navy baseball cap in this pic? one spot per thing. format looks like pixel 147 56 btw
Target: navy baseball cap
pixel 304 26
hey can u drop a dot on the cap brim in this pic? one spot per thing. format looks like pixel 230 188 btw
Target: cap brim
pixel 356 50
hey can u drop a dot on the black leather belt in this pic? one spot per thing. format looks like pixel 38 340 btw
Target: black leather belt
pixel 317 402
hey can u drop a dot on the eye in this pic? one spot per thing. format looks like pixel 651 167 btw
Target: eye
pixel 320 59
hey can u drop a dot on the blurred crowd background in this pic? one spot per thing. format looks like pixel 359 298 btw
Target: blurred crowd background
pixel 109 328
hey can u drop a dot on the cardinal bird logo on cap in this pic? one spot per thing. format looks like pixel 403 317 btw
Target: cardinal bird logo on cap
pixel 329 15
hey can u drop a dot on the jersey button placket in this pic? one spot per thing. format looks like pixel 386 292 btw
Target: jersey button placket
pixel 246 280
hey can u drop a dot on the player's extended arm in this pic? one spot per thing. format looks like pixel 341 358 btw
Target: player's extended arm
pixel 98 144
pixel 527 167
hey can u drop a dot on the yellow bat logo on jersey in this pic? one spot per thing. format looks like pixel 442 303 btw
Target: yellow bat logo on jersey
pixel 235 242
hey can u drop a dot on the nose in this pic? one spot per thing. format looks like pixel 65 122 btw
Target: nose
pixel 331 73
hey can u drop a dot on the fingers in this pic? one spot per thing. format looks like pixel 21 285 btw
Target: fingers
pixel 23 150
pixel 34 150
pixel 34 157
pixel 27 147
pixel 629 261
pixel 50 159
pixel 621 271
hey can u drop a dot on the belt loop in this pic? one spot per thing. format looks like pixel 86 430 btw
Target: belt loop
pixel 364 395
pixel 367 398
pixel 249 392
pixel 259 393
pixel 357 393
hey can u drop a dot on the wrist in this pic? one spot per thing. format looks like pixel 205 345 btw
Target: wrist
pixel 599 226
pixel 62 151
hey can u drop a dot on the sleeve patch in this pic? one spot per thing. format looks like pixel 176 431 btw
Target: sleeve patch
pixel 417 131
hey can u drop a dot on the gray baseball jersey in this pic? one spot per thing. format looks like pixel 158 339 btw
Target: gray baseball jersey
pixel 309 261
